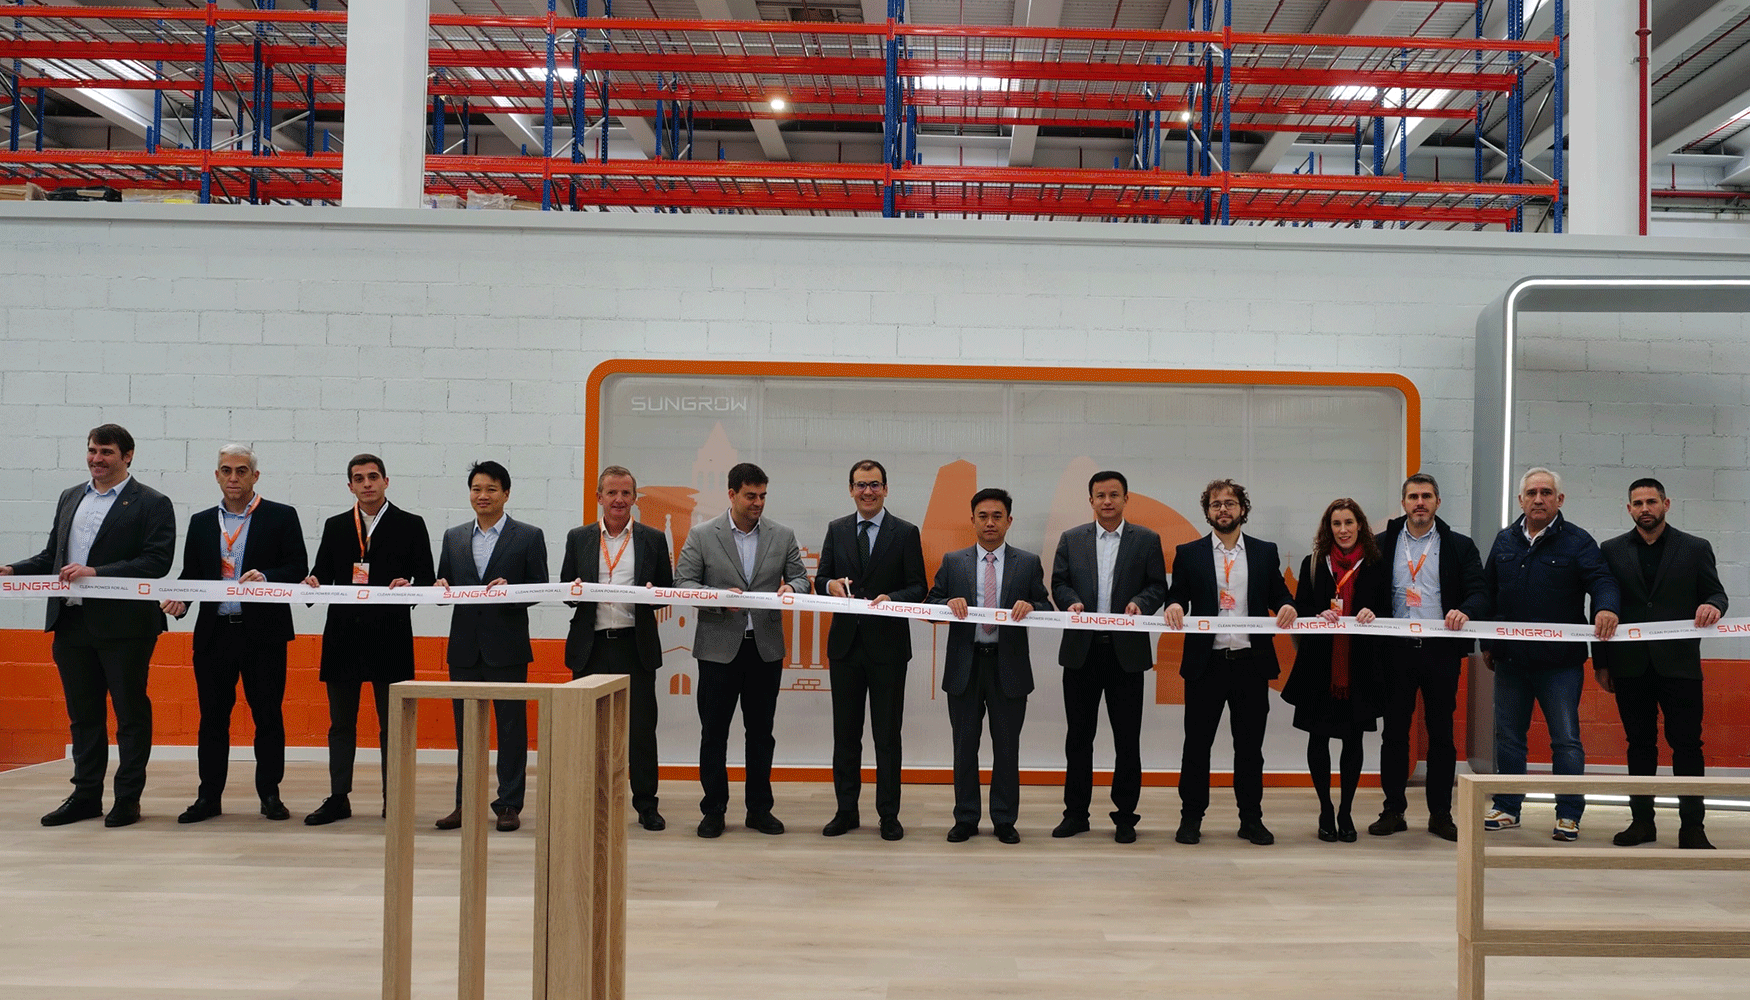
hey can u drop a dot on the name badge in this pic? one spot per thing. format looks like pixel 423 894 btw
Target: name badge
pixel 361 573
pixel 1337 605
pixel 227 568
pixel 1412 597
pixel 1227 600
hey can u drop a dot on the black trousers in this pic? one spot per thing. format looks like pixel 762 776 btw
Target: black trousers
pixel 1432 669
pixel 1100 675
pixel 966 713
pixel 1225 685
pixel 855 679
pixel 93 670
pixel 754 683
pixel 343 731
pixel 513 733
pixel 1639 700
pixel 233 655
pixel 619 655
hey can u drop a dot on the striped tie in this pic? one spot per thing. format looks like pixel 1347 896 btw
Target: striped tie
pixel 990 588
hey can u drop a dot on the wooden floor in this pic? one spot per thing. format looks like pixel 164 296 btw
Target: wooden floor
pixel 241 907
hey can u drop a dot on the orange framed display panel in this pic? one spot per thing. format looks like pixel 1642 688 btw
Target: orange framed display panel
pixel 1032 374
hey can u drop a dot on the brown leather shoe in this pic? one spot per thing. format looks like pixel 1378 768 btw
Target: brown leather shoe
pixel 509 820
pixel 451 822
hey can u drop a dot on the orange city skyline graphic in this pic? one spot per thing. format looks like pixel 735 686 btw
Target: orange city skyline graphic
pixel 945 527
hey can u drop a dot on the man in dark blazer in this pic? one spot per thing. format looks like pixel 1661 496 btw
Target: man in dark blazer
pixel 1226 575
pixel 615 638
pixel 740 652
pixel 872 555
pixel 1664 575
pixel 1437 576
pixel 110 526
pixel 1105 567
pixel 490 642
pixel 375 544
pixel 245 539
pixel 988 668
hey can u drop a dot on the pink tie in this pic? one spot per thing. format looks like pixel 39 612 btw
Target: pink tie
pixel 990 588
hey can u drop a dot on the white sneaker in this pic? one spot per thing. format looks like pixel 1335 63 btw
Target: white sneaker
pixel 1495 820
pixel 1566 829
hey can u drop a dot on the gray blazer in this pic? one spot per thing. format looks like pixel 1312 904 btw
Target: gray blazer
pixel 1139 576
pixel 709 559
pixel 497 634
pixel 1023 580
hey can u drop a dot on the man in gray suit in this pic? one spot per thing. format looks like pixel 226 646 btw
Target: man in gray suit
pixel 110 526
pixel 740 652
pixel 1105 567
pixel 490 642
pixel 988 667
pixel 1664 575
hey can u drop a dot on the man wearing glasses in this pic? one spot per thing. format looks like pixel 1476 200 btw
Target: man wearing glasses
pixel 875 556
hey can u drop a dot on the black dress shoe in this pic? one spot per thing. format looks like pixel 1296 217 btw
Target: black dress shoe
pixel 124 813
pixel 73 810
pixel 1070 827
pixel 1346 831
pixel 891 830
pixel 1190 831
pixel 332 808
pixel 202 809
pixel 711 825
pixel 1006 833
pixel 962 832
pixel 509 821
pixel 1693 838
pixel 765 823
pixel 650 819
pixel 839 825
pixel 1638 832
pixel 1125 834
pixel 1443 827
pixel 1255 832
pixel 1328 825
pixel 1388 823
pixel 451 822
pixel 274 809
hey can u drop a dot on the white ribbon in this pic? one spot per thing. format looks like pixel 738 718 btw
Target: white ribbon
pixel 25 587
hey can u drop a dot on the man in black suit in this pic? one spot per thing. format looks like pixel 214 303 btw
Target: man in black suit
pixel 875 556
pixel 110 526
pixel 1226 575
pixel 1105 567
pixel 375 544
pixel 1437 576
pixel 616 638
pixel 1664 574
pixel 490 642
pixel 245 540
pixel 989 668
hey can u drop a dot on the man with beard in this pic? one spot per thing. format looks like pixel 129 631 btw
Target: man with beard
pixel 1542 569
pixel 1436 576
pixel 1665 574
pixel 1226 575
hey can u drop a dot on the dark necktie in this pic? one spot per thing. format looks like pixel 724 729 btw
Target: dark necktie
pixel 863 544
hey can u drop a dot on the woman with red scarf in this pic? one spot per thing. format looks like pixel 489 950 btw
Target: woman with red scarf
pixel 1338 684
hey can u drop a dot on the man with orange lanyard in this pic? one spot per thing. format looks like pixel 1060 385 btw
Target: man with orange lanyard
pixel 245 539
pixel 616 638
pixel 1437 575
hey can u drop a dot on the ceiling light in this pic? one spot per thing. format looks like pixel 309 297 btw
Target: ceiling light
pixel 778 104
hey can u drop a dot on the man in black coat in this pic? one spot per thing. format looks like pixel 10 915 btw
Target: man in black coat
pixel 1226 575
pixel 617 638
pixel 244 540
pixel 872 555
pixel 1664 574
pixel 375 544
pixel 1437 575
pixel 108 526
pixel 1105 567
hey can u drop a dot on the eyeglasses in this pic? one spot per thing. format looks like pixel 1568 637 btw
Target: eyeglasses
pixel 868 487
pixel 1224 505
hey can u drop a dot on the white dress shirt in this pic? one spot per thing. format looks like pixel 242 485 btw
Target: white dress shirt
pixel 1232 576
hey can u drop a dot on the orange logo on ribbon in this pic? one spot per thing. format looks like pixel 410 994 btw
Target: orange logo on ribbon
pixel 145 589
pixel 364 595
pixel 1634 633
pixel 1002 616
pixel 1416 627
pixel 1202 626
pixel 577 590
pixel 787 599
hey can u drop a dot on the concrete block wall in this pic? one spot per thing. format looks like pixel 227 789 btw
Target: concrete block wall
pixel 438 338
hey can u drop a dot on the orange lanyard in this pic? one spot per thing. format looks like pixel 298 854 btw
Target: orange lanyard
pixel 231 537
pixel 358 524
pixel 1227 568
pixel 1415 567
pixel 614 559
pixel 1346 576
